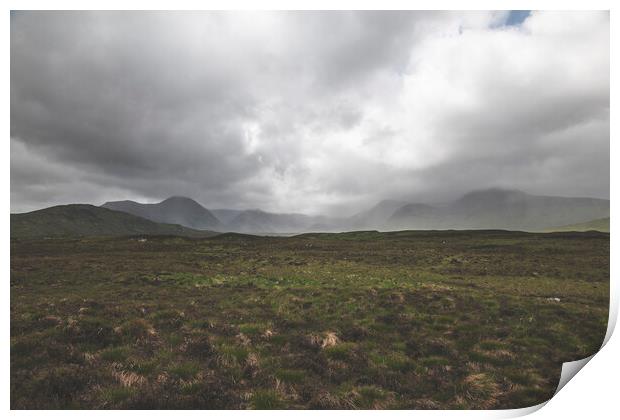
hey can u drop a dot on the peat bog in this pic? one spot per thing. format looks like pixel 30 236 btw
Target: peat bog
pixel 452 319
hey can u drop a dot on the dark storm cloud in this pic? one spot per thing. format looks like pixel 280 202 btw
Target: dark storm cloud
pixel 114 100
pixel 305 111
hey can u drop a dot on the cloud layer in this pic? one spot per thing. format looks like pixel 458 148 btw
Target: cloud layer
pixel 305 111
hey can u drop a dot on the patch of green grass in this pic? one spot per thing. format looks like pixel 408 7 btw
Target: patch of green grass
pixel 116 395
pixel 291 375
pixel 370 397
pixel 136 329
pixel 491 345
pixel 399 362
pixel 252 329
pixel 341 351
pixel 115 354
pixel 168 318
pixel 174 340
pixel 143 367
pixel 185 370
pixel 266 400
pixel 434 361
pixel 233 353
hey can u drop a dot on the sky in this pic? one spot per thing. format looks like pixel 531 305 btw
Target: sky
pixel 311 112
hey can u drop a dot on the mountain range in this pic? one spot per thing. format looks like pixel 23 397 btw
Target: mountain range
pixel 482 209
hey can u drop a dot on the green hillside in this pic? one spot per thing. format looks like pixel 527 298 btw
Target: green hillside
pixel 602 225
pixel 86 220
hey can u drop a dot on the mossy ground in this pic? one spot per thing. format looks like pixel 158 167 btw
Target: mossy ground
pixel 358 320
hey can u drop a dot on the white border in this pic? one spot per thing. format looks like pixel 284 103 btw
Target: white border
pixel 593 393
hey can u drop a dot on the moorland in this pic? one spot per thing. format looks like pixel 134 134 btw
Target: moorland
pixel 411 319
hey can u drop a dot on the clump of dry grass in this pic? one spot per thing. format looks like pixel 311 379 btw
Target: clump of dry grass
pixel 251 365
pixel 427 404
pixel 397 297
pixel 162 378
pixel 328 339
pixel 243 339
pixel 327 401
pixel 500 354
pixel 129 379
pixel 90 358
pixel 481 389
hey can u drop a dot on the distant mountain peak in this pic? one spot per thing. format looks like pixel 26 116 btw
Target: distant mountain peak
pixel 176 209
pixel 108 203
pixel 179 198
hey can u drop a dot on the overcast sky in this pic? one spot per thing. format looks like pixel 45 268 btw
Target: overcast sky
pixel 314 112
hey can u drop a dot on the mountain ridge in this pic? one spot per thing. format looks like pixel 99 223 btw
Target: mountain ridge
pixel 497 208
pixel 71 220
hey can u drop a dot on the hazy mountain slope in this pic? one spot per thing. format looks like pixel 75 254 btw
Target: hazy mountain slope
pixel 87 220
pixel 513 209
pixel 258 221
pixel 414 216
pixel 178 210
pixel 501 209
pixel 225 216
pixel 601 225
pixel 376 216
